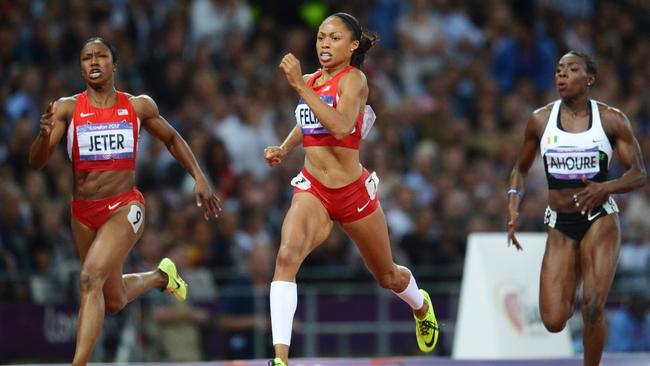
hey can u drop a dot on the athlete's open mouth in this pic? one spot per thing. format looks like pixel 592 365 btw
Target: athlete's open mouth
pixel 95 73
pixel 325 56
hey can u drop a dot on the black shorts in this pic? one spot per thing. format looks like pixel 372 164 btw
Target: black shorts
pixel 575 225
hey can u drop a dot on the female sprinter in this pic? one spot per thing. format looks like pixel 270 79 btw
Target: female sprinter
pixel 333 186
pixel 577 137
pixel 102 126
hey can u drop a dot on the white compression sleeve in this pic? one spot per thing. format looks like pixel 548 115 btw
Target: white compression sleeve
pixel 284 299
pixel 411 295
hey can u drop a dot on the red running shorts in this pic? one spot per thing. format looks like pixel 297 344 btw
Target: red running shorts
pixel 346 204
pixel 94 213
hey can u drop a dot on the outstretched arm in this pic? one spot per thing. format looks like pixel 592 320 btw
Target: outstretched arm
pixel 518 175
pixel 157 126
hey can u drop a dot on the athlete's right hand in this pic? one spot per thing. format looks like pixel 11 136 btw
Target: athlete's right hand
pixel 512 226
pixel 47 122
pixel 274 155
pixel 291 67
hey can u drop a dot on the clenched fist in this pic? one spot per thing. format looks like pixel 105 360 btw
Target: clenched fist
pixel 291 67
pixel 274 155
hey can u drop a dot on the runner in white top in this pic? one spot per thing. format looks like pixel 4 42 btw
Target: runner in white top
pixel 576 137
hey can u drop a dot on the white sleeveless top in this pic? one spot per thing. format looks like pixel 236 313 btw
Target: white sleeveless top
pixel 568 156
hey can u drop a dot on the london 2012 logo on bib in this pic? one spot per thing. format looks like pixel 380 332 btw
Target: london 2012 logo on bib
pixel 105 141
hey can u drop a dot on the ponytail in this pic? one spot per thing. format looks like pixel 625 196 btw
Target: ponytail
pixel 368 39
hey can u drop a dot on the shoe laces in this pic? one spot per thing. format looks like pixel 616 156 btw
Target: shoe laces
pixel 425 326
pixel 273 363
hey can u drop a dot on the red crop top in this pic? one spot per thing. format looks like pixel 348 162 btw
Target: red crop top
pixel 101 139
pixel 313 132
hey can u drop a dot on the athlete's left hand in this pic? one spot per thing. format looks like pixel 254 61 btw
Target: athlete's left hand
pixel 291 67
pixel 512 227
pixel 594 195
pixel 206 198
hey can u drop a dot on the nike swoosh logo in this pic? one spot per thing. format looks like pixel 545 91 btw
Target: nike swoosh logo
pixel 434 330
pixel 110 207
pixel 597 140
pixel 592 217
pixel 430 343
pixel 359 209
pixel 86 114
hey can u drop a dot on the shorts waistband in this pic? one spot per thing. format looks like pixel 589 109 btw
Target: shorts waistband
pixel 552 217
pixel 321 186
pixel 108 198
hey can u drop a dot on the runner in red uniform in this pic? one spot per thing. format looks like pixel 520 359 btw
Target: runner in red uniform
pixel 332 118
pixel 102 127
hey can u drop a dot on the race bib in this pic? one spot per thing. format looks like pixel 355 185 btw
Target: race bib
pixel 372 183
pixel 301 182
pixel 105 141
pixel 309 124
pixel 369 118
pixel 135 217
pixel 572 163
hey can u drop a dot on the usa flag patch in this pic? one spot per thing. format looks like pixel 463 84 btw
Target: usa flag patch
pixel 122 112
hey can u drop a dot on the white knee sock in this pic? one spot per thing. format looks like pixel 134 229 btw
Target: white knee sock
pixel 411 294
pixel 284 299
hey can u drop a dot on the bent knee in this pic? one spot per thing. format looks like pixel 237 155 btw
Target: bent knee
pixel 114 305
pixel 288 257
pixel 554 320
pixel 555 324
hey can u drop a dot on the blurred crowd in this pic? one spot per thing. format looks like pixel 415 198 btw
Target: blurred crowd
pixel 452 83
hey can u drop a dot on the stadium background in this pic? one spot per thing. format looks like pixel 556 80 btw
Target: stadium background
pixel 452 82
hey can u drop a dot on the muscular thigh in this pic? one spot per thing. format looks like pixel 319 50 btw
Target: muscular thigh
pixel 113 242
pixel 306 225
pixel 599 252
pixel 560 274
pixel 370 234
pixel 83 237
